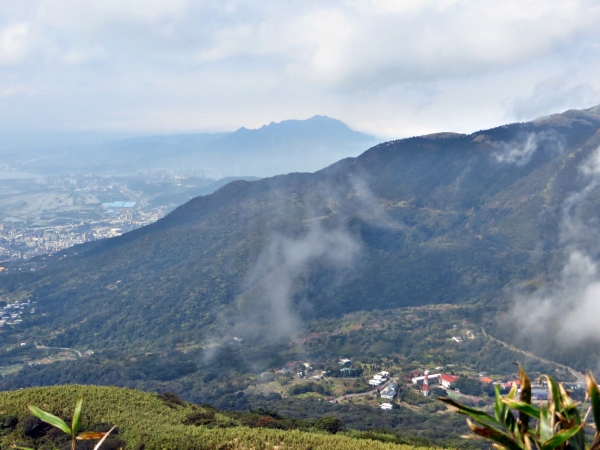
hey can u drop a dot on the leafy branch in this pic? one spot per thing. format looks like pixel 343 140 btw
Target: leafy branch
pixel 559 423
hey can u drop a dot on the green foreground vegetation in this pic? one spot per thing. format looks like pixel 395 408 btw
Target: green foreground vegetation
pixel 151 421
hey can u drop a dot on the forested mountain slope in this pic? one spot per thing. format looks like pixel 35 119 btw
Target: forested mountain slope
pixel 445 218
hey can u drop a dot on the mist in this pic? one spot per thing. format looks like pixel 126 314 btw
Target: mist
pixel 278 289
pixel 521 150
pixel 569 306
pixel 270 285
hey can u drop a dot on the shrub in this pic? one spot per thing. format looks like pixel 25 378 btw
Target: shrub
pixel 330 424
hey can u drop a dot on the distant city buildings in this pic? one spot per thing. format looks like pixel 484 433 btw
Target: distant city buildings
pixel 79 215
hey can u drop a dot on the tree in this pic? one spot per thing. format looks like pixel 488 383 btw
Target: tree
pixel 330 424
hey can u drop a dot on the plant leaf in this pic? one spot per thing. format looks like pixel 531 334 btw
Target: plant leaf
pixel 77 416
pixel 50 418
pixel 513 391
pixel 88 435
pixel 546 429
pixel 497 436
pixel 526 408
pixel 97 446
pixel 525 398
pixel 556 398
pixel 498 405
pixel 561 437
pixel 594 398
pixel 477 415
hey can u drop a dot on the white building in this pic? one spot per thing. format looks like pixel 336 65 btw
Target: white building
pixel 434 376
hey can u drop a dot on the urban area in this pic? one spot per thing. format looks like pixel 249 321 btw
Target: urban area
pixel 46 215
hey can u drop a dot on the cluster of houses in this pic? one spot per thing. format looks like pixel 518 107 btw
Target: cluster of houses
pixel 12 314
pixel 447 381
pixel 379 378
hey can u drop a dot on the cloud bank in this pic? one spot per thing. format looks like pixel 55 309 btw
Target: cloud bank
pixel 391 68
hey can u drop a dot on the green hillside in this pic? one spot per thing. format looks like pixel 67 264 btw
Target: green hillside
pixel 147 421
pixel 428 220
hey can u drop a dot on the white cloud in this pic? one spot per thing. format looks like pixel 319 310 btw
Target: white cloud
pixel 552 96
pixel 390 67
pixel 13 43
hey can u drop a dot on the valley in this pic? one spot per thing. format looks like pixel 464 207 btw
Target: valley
pixel 304 379
pixel 331 293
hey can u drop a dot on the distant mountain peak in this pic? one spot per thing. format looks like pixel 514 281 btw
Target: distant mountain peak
pixel 314 120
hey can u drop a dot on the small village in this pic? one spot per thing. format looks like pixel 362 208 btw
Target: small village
pixel 356 381
pixel 12 314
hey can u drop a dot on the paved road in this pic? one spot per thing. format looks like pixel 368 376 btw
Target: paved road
pixel 580 377
pixel 362 394
pixel 59 348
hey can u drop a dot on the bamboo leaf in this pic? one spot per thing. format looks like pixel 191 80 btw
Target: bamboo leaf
pixel 525 398
pixel 561 437
pixel 497 436
pixel 513 391
pixel 546 428
pixel 594 398
pixel 477 415
pixel 526 408
pixel 568 403
pixel 498 405
pixel 556 397
pixel 50 418
pixel 77 416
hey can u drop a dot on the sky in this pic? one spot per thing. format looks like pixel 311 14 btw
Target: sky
pixel 391 68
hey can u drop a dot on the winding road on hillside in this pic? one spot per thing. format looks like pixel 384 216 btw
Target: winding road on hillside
pixel 580 377
pixel 59 348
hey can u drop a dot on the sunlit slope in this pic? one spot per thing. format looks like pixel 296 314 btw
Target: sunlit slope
pixel 146 421
pixel 444 218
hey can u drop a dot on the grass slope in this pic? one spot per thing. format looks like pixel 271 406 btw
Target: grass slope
pixel 147 421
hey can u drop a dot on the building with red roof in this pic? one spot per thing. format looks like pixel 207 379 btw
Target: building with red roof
pixel 447 380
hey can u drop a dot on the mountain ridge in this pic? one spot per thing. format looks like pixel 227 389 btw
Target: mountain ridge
pixel 306 145
pixel 445 220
